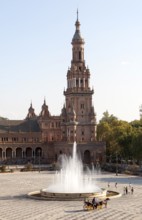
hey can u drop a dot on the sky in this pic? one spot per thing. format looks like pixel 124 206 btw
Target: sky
pixel 36 51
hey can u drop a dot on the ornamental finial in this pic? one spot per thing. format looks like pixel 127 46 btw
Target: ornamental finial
pixel 77 14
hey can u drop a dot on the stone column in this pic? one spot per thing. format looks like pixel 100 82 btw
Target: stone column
pixel 74 82
pixel 13 153
pixel 33 153
pixel 84 82
pixel 23 153
pixel 3 154
pixel 78 82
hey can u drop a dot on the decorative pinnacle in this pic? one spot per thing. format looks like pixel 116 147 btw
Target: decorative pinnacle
pixel 77 14
pixel 77 24
pixel 44 100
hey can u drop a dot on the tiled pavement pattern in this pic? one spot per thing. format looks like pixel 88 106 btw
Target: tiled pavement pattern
pixel 14 205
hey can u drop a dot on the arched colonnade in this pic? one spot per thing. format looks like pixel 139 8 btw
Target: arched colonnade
pixel 19 153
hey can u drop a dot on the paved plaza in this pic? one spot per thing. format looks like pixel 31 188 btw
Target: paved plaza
pixel 14 204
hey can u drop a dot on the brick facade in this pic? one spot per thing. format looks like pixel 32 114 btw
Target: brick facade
pixel 48 136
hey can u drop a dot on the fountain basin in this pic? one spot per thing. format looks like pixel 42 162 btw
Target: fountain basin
pixel 71 196
pixel 45 195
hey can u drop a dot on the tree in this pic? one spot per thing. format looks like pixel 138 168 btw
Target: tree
pixel 117 134
pixel 122 138
pixel 137 146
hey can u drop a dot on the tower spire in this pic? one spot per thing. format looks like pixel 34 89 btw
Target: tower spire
pixel 77 24
pixel 77 35
pixel 44 100
pixel 77 14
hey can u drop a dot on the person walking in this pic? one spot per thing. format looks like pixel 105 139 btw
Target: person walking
pixel 132 190
pixel 94 203
pixel 126 190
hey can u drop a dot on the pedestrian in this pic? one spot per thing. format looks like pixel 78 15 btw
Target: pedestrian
pixel 115 185
pixel 126 190
pixel 132 190
pixel 108 185
pixel 94 203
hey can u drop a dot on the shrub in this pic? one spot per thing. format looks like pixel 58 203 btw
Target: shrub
pixel 3 168
pixel 28 167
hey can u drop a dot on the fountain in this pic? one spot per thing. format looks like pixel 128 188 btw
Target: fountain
pixel 71 178
pixel 70 182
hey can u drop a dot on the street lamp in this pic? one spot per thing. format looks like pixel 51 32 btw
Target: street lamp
pixel 110 159
pixel 39 151
pixel 116 164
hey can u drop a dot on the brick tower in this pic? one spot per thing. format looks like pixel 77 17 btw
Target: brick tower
pixel 78 116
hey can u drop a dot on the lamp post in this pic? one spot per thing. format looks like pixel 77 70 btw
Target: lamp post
pixel 116 164
pixel 110 159
pixel 39 151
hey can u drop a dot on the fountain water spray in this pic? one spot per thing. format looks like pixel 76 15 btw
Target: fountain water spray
pixel 71 184
pixel 71 178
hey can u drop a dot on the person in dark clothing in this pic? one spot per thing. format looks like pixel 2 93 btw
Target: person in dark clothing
pixel 94 203
pixel 132 190
pixel 126 189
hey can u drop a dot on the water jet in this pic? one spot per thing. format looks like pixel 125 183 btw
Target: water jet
pixel 70 183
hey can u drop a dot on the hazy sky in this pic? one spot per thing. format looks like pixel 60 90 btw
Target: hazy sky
pixel 35 53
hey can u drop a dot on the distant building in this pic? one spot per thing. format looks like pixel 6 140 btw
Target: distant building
pixel 48 136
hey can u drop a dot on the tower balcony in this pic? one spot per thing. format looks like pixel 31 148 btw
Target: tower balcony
pixel 79 91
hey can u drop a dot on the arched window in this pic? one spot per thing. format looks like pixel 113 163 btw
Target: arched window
pixel 0 152
pixel 19 152
pixel 8 153
pixel 87 157
pixel 28 152
pixel 38 152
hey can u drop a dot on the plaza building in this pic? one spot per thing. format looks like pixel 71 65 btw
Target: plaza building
pixel 47 136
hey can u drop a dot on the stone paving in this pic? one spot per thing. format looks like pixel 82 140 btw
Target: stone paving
pixel 14 204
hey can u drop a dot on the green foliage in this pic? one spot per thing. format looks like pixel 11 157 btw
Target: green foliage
pixel 3 169
pixel 137 146
pixel 29 167
pixel 121 137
